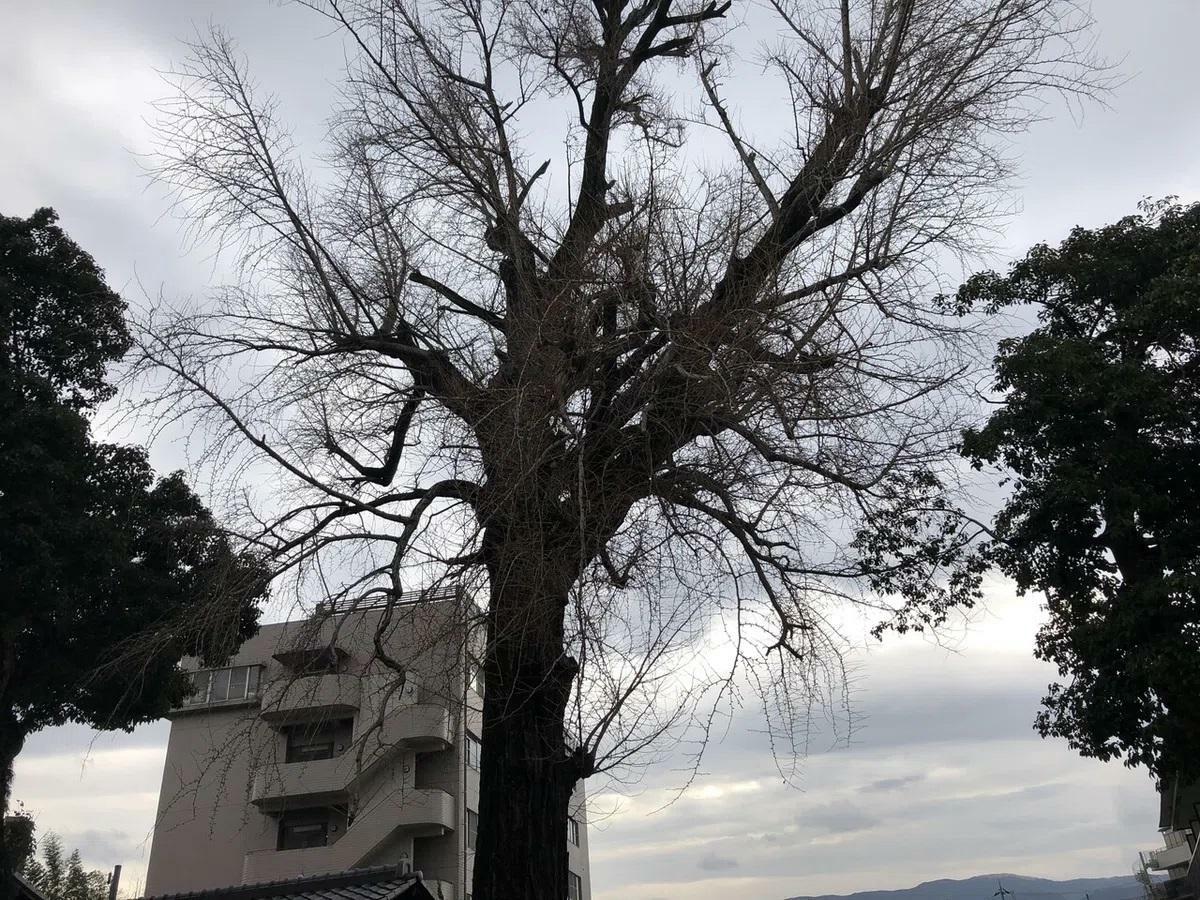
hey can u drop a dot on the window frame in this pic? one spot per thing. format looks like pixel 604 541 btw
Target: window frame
pixel 473 751
pixel 475 680
pixel 472 829
pixel 310 750
pixel 573 831
pixel 315 741
pixel 208 683
pixel 317 820
pixel 574 886
pixel 218 685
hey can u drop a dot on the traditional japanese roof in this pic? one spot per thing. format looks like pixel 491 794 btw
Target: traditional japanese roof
pixel 377 883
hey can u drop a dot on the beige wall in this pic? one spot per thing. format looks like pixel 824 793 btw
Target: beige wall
pixel 205 825
pixel 225 779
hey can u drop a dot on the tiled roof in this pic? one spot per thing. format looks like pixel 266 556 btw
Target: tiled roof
pixel 25 890
pixel 378 883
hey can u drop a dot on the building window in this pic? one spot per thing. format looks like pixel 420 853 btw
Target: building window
pixel 314 660
pixel 200 682
pixel 472 828
pixel 573 830
pixel 303 748
pixel 307 828
pixel 318 740
pixel 474 748
pixel 475 677
pixel 220 685
pixel 574 887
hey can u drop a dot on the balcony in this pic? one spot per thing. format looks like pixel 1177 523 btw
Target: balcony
pixel 1169 857
pixel 420 728
pixel 319 782
pixel 414 812
pixel 310 698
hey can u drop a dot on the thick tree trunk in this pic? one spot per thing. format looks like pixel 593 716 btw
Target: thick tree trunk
pixel 11 741
pixel 527 772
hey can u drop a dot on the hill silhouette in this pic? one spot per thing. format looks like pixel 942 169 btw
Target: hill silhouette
pixel 1020 887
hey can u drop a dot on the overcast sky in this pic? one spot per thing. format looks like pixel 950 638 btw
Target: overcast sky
pixel 943 776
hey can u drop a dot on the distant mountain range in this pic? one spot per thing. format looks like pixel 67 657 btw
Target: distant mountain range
pixel 984 887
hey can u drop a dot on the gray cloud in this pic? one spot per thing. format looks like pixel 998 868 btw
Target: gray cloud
pixel 837 817
pixel 81 740
pixel 714 862
pixel 113 845
pixel 892 784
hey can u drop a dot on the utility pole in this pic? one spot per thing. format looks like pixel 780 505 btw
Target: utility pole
pixel 113 880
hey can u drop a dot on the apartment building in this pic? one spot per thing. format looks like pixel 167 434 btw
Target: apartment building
pixel 1178 860
pixel 340 742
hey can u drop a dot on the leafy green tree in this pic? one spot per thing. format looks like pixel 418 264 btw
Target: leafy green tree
pixel 107 575
pixel 1101 430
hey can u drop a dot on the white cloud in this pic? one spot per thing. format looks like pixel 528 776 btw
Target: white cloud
pixel 98 792
pixel 943 778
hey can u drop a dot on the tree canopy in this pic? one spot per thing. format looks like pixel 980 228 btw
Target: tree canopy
pixel 1100 427
pixel 108 575
pixel 515 332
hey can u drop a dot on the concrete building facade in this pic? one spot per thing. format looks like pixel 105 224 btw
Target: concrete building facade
pixel 340 742
pixel 1177 863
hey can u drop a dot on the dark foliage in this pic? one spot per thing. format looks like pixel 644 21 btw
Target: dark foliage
pixel 1101 428
pixel 108 576
pixel 60 323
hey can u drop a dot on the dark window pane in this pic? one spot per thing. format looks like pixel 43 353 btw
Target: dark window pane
pixel 237 682
pixel 472 828
pixel 473 751
pixel 574 887
pixel 309 828
pixel 307 751
pixel 220 686
pixel 200 686
pixel 322 740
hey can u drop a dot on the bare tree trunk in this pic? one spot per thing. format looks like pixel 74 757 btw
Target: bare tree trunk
pixel 527 768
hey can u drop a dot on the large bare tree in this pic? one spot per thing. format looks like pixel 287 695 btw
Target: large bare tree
pixel 547 320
